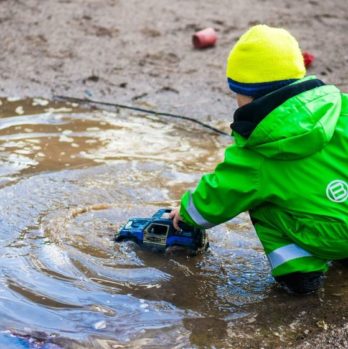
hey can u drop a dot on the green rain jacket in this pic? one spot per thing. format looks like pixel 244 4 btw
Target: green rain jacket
pixel 289 165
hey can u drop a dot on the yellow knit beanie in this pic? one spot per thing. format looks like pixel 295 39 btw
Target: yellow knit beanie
pixel 261 56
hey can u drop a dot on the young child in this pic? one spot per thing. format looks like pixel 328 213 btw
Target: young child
pixel 289 164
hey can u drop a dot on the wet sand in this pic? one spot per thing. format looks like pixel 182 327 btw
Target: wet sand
pixel 140 52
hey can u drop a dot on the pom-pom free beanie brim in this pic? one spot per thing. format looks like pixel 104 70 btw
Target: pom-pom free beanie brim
pixel 258 89
pixel 264 59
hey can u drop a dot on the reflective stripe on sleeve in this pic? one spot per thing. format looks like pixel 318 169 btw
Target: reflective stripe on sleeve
pixel 285 254
pixel 196 216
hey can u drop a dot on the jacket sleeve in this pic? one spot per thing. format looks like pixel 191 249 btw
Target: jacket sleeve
pixel 232 188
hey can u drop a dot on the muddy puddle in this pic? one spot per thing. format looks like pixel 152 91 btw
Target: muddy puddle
pixel 68 178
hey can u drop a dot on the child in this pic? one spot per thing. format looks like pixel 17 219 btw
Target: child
pixel 289 164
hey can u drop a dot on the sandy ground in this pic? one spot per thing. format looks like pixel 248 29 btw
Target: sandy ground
pixel 140 53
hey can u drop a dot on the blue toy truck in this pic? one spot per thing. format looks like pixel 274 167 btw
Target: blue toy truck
pixel 159 233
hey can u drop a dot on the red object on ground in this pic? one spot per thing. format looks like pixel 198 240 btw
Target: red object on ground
pixel 308 58
pixel 204 38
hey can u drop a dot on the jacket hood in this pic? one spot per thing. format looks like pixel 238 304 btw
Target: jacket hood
pixel 290 123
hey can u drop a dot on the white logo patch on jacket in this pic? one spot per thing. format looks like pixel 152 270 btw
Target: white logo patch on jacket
pixel 337 191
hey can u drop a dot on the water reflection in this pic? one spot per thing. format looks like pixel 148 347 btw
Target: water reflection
pixel 68 179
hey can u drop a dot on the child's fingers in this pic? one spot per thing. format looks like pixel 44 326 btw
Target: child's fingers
pixel 176 222
pixel 173 212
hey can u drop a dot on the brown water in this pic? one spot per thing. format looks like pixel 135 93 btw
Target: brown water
pixel 68 178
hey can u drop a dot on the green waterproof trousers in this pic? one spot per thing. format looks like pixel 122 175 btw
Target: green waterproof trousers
pixel 294 244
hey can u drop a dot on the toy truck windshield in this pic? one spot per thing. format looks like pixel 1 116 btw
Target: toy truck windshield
pixel 139 223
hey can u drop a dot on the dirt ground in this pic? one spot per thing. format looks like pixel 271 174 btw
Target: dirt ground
pixel 140 53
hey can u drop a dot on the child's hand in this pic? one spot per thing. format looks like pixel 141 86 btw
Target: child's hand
pixel 175 216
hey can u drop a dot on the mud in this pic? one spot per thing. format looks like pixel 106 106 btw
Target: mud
pixel 70 176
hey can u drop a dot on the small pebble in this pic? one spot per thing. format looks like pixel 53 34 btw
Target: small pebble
pixel 40 102
pixel 19 110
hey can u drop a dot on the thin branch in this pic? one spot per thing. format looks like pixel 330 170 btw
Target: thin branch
pixel 142 110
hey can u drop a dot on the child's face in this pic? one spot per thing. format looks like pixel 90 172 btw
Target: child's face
pixel 243 100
